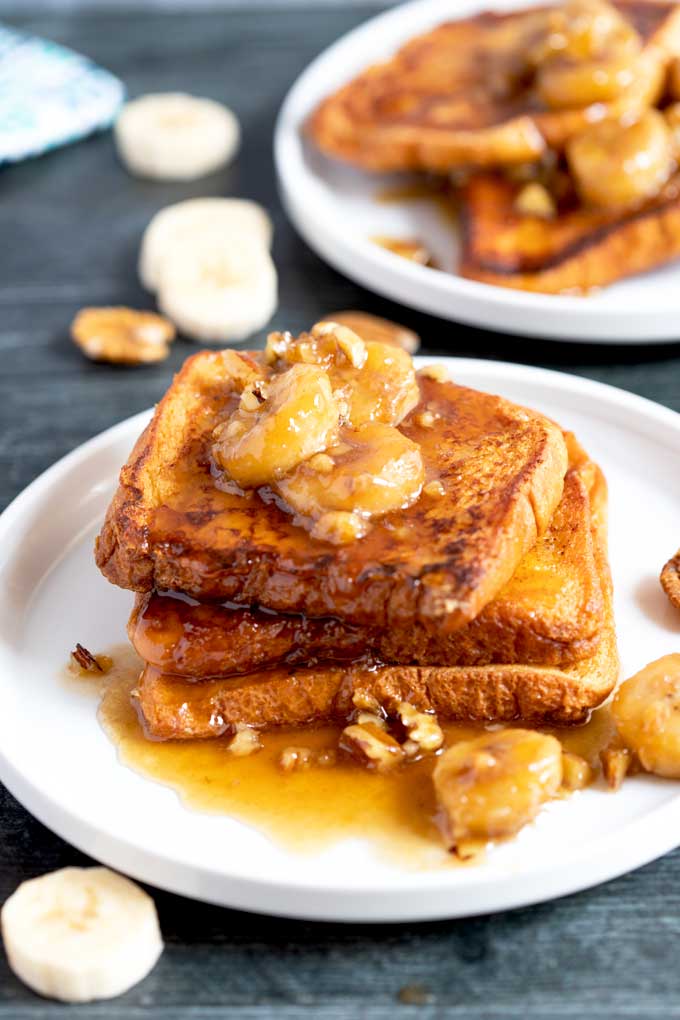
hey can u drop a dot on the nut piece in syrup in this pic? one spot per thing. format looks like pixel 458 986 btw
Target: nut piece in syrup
pixel 122 336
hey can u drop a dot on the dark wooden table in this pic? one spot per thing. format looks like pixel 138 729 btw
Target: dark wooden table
pixel 70 225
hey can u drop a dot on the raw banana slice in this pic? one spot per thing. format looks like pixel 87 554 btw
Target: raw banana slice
pixel 171 136
pixel 80 934
pixel 187 224
pixel 222 290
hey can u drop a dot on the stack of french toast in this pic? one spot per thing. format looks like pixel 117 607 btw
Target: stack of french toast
pixel 318 530
pixel 557 128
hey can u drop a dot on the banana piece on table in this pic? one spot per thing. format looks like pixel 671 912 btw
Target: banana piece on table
pixel 172 136
pixel 223 289
pixel 80 934
pixel 187 224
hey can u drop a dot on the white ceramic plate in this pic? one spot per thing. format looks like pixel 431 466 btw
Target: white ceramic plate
pixel 58 762
pixel 335 210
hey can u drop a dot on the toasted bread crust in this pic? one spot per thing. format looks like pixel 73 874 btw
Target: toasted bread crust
pixel 414 111
pixel 577 251
pixel 438 562
pixel 173 708
pixel 549 613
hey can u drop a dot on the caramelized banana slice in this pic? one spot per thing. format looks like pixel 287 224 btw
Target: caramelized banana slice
pixel 563 83
pixel 582 29
pixel 646 710
pixel 371 471
pixel 376 380
pixel 489 787
pixel 279 424
pixel 619 165
pixel 385 389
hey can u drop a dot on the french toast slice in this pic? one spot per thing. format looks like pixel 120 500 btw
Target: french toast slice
pixel 461 95
pixel 550 613
pixel 438 562
pixel 171 707
pixel 578 250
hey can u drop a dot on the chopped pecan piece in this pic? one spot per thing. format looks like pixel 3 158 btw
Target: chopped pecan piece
pixel 422 728
pixel 372 746
pixel 616 762
pixel 83 661
pixel 576 772
pixel 122 336
pixel 245 741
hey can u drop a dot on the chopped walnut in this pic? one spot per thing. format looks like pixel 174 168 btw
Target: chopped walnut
pixel 439 373
pixel 339 527
pixel 83 661
pixel 422 728
pixel 366 702
pixel 254 396
pixel 374 718
pixel 535 200
pixel 616 762
pixel 371 746
pixel 351 345
pixel 434 488
pixel 297 759
pixel 122 336
pixel 322 463
pixel 576 772
pixel 245 741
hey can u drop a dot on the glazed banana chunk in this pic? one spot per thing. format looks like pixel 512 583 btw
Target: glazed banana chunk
pixel 646 710
pixel 617 165
pixel 377 380
pixel 491 786
pixel 371 470
pixel 279 423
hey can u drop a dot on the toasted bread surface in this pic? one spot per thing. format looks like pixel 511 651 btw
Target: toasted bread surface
pixel 549 613
pixel 439 562
pixel 580 249
pixel 458 95
pixel 175 708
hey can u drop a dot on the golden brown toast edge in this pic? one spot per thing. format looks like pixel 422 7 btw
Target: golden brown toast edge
pixel 575 253
pixel 172 708
pixel 214 545
pixel 550 613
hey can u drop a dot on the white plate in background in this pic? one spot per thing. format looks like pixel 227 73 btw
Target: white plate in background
pixel 334 208
pixel 57 761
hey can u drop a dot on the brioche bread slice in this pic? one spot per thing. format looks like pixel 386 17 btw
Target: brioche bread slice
pixel 578 250
pixel 437 562
pixel 173 708
pixel 550 613
pixel 462 94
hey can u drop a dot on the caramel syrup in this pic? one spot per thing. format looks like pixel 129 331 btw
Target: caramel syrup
pixel 304 811
pixel 431 189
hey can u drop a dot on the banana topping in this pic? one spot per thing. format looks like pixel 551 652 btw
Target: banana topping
pixel 490 787
pixel 278 428
pixel 646 710
pixel 319 426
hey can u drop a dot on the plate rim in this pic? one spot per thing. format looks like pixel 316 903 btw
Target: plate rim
pixel 483 304
pixel 589 865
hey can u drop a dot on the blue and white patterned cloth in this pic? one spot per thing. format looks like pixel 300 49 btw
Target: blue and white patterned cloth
pixel 49 96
